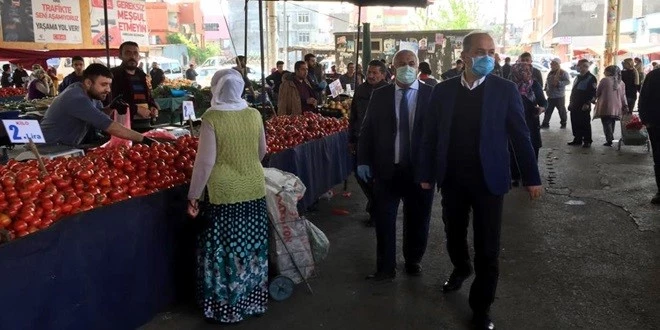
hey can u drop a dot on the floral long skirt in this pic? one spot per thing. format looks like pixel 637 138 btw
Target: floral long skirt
pixel 232 261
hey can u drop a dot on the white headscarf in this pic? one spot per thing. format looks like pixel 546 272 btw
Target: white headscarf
pixel 227 87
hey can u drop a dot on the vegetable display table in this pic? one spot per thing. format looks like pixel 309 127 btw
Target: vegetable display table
pixel 170 109
pixel 320 164
pixel 113 267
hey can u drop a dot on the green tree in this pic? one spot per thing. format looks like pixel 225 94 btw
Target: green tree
pixel 199 54
pixel 448 15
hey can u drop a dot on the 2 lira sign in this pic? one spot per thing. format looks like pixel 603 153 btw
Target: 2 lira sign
pixel 21 131
pixel 188 111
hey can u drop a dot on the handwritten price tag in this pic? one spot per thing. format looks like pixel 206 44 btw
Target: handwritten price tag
pixel 335 88
pixel 188 111
pixel 20 131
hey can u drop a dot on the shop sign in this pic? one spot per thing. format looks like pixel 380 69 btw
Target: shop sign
pixel 127 21
pixel 44 21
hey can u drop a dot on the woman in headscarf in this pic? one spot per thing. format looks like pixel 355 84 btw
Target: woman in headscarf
pixel 426 75
pixel 38 85
pixel 232 255
pixel 610 101
pixel 534 104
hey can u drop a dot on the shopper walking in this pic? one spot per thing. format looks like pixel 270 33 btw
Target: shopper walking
pixel 555 86
pixel 375 79
pixel 534 103
pixel 426 75
pixel 465 151
pixel 630 77
pixel 232 255
pixel 649 113
pixel 582 94
pixel 388 145
pixel 610 101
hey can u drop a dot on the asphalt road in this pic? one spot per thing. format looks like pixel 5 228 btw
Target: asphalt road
pixel 587 255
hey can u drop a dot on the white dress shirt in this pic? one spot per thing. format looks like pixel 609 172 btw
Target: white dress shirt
pixel 412 106
pixel 474 85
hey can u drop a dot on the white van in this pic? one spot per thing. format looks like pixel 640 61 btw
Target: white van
pixel 216 61
pixel 171 68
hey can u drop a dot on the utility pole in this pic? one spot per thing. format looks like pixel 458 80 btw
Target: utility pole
pixel 271 11
pixel 612 18
pixel 504 28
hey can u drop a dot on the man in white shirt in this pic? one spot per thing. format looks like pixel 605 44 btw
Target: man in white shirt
pixel 387 149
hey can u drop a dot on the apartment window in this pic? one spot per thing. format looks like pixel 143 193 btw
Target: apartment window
pixel 303 18
pixel 303 37
pixel 214 27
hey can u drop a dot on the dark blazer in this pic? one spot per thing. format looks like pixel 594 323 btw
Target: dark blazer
pixel 649 99
pixel 503 119
pixel 359 107
pixel 379 129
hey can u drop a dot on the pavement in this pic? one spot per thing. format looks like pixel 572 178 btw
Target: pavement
pixel 586 255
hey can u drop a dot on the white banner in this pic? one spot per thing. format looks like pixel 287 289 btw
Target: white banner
pixel 127 21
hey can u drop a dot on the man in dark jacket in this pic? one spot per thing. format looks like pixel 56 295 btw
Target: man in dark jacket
pixel 583 93
pixel 649 113
pixel 191 74
pixel 506 68
pixel 455 72
pixel 275 79
pixel 157 75
pixel 76 76
pixel 19 75
pixel 131 83
pixel 6 76
pixel 375 79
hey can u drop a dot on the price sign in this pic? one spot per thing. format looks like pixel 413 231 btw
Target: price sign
pixel 188 111
pixel 20 131
pixel 335 88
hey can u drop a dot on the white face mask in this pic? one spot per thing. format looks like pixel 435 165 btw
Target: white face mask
pixel 406 74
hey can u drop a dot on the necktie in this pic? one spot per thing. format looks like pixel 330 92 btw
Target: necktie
pixel 404 129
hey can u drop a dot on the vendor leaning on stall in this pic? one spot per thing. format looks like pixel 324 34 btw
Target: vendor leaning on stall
pixel 131 82
pixel 76 76
pixel 78 109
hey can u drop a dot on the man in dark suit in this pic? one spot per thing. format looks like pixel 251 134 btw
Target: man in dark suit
pixel 389 141
pixel 375 79
pixel 465 151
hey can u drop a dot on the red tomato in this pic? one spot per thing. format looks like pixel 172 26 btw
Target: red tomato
pixel 74 201
pixel 101 199
pixel 86 198
pixel 105 182
pixel 66 208
pixel 45 224
pixel 19 226
pixel 22 233
pixel 58 199
pixel 47 204
pixel 8 181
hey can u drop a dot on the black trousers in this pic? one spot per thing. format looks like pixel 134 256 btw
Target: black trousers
pixel 654 137
pixel 417 204
pixel 631 102
pixel 581 125
pixel 560 104
pixel 367 189
pixel 457 202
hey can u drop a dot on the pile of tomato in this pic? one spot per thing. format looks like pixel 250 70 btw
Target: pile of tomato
pixel 31 200
pixel 11 91
pixel 284 132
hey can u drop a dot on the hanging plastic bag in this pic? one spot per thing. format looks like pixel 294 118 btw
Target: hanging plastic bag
pixel 116 141
pixel 318 241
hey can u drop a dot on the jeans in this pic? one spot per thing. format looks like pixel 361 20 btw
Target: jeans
pixel 608 128
pixel 560 104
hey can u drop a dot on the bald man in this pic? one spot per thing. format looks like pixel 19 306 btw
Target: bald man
pixel 388 144
pixel 465 150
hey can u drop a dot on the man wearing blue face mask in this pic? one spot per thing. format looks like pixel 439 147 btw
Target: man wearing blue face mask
pixel 465 152
pixel 389 142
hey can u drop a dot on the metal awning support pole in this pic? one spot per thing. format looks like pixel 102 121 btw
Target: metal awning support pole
pixel 246 32
pixel 261 46
pixel 107 32
pixel 357 44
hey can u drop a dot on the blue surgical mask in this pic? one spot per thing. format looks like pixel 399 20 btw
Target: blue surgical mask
pixel 482 65
pixel 406 75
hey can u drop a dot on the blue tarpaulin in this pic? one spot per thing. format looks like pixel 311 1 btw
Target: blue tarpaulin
pixel 320 165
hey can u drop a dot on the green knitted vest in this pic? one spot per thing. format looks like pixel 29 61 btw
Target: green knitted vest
pixel 237 175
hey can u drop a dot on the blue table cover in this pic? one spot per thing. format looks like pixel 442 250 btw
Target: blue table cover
pixel 109 268
pixel 320 164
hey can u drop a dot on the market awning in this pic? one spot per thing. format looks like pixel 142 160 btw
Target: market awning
pixel 384 3
pixel 639 49
pixel 29 57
